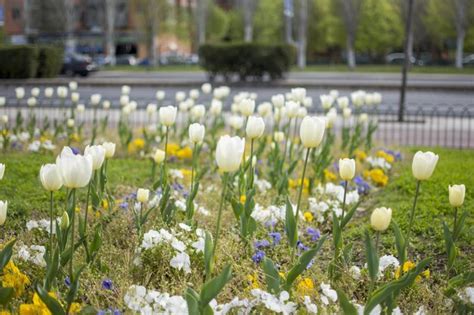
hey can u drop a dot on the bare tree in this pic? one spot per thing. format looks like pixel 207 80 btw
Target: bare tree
pixel 303 25
pixel 288 14
pixel 406 62
pixel 350 16
pixel 70 25
pixel 110 11
pixel 201 12
pixel 248 10
pixel 461 21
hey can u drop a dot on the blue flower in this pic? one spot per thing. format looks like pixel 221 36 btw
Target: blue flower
pixel 258 256
pixel 363 187
pixel 75 150
pixel 276 237
pixel 124 205
pixel 314 233
pixel 262 243
pixel 301 246
pixel 107 284
pixel 67 281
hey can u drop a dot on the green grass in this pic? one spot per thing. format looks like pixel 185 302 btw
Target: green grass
pixel 311 68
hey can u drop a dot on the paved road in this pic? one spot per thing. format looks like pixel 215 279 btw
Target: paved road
pixel 442 100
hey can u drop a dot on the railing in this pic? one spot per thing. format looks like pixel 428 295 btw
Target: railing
pixel 434 126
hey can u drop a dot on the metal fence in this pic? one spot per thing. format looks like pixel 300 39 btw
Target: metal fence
pixel 434 126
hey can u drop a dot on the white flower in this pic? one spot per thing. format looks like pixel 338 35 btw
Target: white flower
pixel 328 294
pixel 181 261
pixel 311 308
pixel 97 152
pixel 387 261
pixel 199 245
pixel 355 272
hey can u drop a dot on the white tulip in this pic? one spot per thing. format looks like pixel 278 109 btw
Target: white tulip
pixel 184 106
pixel 264 109
pixel 236 122
pixel 4 119
pixel 80 108
pixel 3 211
pixel 292 109
pixel 95 99
pixel 73 85
pixel 302 112
pixel 216 107
pixel 76 170
pixel 19 92
pixel 380 219
pixel 308 102
pixel 229 153
pixel 377 98
pixel 35 92
pixel 159 156
pixel 133 105
pixel 31 102
pixel 143 195
pixel 247 106
pixel 196 132
pixel 70 122
pixel 358 98
pixel 334 93
pixel 363 118
pixel 331 117
pixel 299 94
pixel 279 136
pixel 75 97
pixel 343 102
pixel 62 92
pixel 326 101
pixel 346 113
pixel 48 92
pixel 180 96
pixel 124 100
pixel 106 104
pixel 3 100
pixel 168 115
pixel 97 152
pixel 109 149
pixel 424 164
pixel 160 95
pixel 278 100
pixel 50 177
pixel 2 170
pixel 125 90
pixel 206 88
pixel 151 108
pixel 312 131
pixel 255 127
pixel 456 195
pixel 64 221
pixel 347 168
pixel 194 94
pixel 198 112
pixel 126 110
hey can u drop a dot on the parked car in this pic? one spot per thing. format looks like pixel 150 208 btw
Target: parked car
pixel 399 59
pixel 468 60
pixel 77 64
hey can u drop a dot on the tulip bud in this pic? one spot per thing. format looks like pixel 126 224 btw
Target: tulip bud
pixel 75 97
pixel 229 153
pixel 109 149
pixel 151 108
pixel 64 221
pixel 216 107
pixel 456 195
pixel 194 94
pixel 308 102
pixel 331 117
pixel 278 100
pixel 95 99
pixel 3 100
pixel 143 195
pixel 363 118
pixel 255 127
pixel 343 102
pixel 106 104
pixel 31 102
pixel 35 92
pixel 279 136
pixel 159 156
pixel 62 91
pixel 380 219
pixel 73 85
pixel 334 93
pixel 48 92
pixel 236 122
pixel 2 170
pixel 160 95
pixel 97 152
pixel 302 112
pixel 80 108
pixel 247 107
pixel 5 119
pixel 346 113
pixel 299 94
pixel 326 101
pixel 312 131
pixel 424 164
pixel 50 177
pixel 168 115
pixel 124 100
pixel 197 112
pixel 264 109
pixel 347 168
pixel 206 88
pixel 70 122
pixel 292 109
pixel 180 96
pixel 19 92
pixel 125 90
pixel 3 211
pixel 196 132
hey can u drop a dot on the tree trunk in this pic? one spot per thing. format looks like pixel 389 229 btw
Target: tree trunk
pixel 248 23
pixel 70 26
pixel 201 20
pixel 302 33
pixel 410 45
pixel 288 15
pixel 110 6
pixel 351 61
pixel 459 48
pixel 152 46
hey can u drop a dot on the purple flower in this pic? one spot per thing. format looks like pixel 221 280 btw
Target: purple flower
pixel 314 233
pixel 124 205
pixel 276 237
pixel 107 284
pixel 363 187
pixel 75 150
pixel 67 281
pixel 258 256
pixel 262 243
pixel 301 246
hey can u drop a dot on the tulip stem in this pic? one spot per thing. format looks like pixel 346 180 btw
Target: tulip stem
pixel 300 193
pixel 219 215
pixel 455 219
pixel 344 200
pixel 166 145
pixel 73 221
pixel 51 226
pixel 251 165
pixel 412 216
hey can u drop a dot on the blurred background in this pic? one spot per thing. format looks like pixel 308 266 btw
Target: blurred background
pixel 153 33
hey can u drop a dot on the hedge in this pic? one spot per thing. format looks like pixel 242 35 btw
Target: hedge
pixel 247 60
pixel 29 61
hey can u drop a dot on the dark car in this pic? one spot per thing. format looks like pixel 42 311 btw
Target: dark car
pixel 399 59
pixel 77 64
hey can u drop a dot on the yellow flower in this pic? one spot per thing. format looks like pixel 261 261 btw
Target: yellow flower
pixel 186 173
pixel 308 216
pixel 387 157
pixel 253 281
pixel 136 145
pixel 295 183
pixel 377 176
pixel 305 286
pixel 75 137
pixel 43 139
pixel 5 313
pixel 98 214
pixel 184 153
pixel 78 209
pixel 38 307
pixel 360 155
pixel 105 204
pixel 14 278
pixel 243 198
pixel 172 149
pixel 329 176
pixel 409 265
pixel 75 308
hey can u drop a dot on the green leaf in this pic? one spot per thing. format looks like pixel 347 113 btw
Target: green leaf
pixel 74 286
pixel 212 288
pixel 192 299
pixel 96 242
pixel 385 292
pixel 6 254
pixel 290 225
pixel 5 295
pixel 372 257
pixel 349 215
pixel 459 226
pixel 88 310
pixel 347 307
pixel 52 304
pixel 208 254
pixel 450 247
pixel 459 281
pixel 52 270
pixel 272 277
pixel 400 242
pixel 303 263
pixel 336 233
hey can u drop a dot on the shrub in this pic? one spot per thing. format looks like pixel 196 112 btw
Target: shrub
pixel 50 61
pixel 247 60
pixel 18 62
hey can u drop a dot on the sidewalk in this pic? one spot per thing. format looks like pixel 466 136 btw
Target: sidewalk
pixel 449 82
